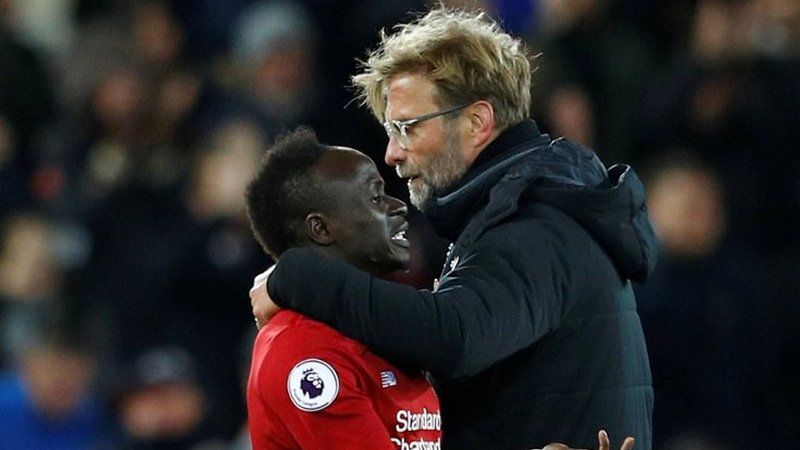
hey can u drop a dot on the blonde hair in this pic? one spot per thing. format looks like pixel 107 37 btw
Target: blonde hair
pixel 467 55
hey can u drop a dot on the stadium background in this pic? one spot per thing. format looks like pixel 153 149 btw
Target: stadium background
pixel 128 130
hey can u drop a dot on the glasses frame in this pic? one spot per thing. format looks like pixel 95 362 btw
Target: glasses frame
pixel 399 128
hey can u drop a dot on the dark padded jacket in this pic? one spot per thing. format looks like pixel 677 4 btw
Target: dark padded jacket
pixel 532 335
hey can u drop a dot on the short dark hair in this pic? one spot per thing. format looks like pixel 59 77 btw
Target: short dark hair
pixel 284 191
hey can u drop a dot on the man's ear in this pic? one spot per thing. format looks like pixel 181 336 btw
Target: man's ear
pixel 317 229
pixel 481 122
pixel 480 129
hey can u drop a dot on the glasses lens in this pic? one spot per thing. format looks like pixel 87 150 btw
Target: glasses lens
pixel 389 128
pixel 398 131
pixel 403 134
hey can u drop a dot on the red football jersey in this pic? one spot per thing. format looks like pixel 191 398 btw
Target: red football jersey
pixel 311 387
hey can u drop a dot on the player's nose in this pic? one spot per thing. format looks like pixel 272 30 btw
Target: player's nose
pixel 396 206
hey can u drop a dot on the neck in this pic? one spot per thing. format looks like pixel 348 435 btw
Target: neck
pixel 476 151
pixel 334 252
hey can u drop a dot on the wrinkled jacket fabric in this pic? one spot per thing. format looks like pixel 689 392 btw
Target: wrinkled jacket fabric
pixel 532 335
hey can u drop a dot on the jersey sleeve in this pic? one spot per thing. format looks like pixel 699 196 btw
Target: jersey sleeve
pixel 316 392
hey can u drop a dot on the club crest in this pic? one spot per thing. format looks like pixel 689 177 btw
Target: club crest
pixel 454 263
pixel 313 385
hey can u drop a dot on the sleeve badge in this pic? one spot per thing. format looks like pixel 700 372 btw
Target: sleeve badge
pixel 313 385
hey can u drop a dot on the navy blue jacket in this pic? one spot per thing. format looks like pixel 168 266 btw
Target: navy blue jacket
pixel 532 335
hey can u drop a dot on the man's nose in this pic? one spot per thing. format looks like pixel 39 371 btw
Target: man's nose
pixel 395 154
pixel 397 206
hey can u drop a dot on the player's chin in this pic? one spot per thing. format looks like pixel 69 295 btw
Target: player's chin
pixel 399 259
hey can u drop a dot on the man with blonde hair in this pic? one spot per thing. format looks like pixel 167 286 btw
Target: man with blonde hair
pixel 532 333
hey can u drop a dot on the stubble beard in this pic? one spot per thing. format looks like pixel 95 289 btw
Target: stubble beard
pixel 443 169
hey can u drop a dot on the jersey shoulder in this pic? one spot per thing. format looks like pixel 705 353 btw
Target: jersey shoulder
pixel 305 359
pixel 290 339
pixel 292 334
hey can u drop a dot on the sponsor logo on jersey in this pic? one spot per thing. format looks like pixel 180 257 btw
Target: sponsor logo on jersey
pixel 419 444
pixel 388 379
pixel 411 421
pixel 313 385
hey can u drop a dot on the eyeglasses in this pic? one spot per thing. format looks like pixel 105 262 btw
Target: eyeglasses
pixel 399 128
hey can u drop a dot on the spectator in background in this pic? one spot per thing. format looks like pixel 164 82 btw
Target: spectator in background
pixel 778 33
pixel 26 91
pixel 162 240
pixel 48 399
pixel 27 105
pixel 159 403
pixel 129 132
pixel 14 181
pixel 219 246
pixel 274 45
pixel 158 37
pixel 116 113
pixel 142 229
pixel 736 107
pixel 732 97
pixel 242 439
pixel 702 312
pixel 156 170
pixel 30 280
pixel 144 106
pixel 591 76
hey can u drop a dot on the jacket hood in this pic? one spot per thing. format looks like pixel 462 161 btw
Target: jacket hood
pixel 527 166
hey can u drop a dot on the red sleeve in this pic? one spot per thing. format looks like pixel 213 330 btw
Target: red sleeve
pixel 313 385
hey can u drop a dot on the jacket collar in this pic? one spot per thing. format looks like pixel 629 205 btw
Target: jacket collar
pixel 450 212
pixel 521 133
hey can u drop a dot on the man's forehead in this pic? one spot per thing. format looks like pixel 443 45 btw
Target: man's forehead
pixel 410 81
pixel 346 164
pixel 409 91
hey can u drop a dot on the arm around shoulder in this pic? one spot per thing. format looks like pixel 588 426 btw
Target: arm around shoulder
pixel 490 306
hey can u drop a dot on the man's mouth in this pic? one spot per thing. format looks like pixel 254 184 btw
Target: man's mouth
pixel 399 237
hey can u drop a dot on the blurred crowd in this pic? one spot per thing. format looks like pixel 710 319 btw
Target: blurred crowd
pixel 129 129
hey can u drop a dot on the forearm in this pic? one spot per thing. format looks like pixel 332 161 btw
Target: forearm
pixel 396 321
pixel 461 329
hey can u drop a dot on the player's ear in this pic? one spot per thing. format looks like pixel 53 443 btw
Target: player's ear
pixel 317 229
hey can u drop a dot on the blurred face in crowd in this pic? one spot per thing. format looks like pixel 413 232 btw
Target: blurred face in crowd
pixel 434 155
pixel 687 210
pixel 283 77
pixel 118 101
pixel 365 227
pixel 228 160
pixel 28 266
pixel 158 37
pixel 57 379
pixel 162 412
pixel 571 115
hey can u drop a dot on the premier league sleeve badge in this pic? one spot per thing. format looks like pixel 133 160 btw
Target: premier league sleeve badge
pixel 313 385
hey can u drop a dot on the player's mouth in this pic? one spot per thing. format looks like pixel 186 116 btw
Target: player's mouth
pixel 414 180
pixel 399 237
